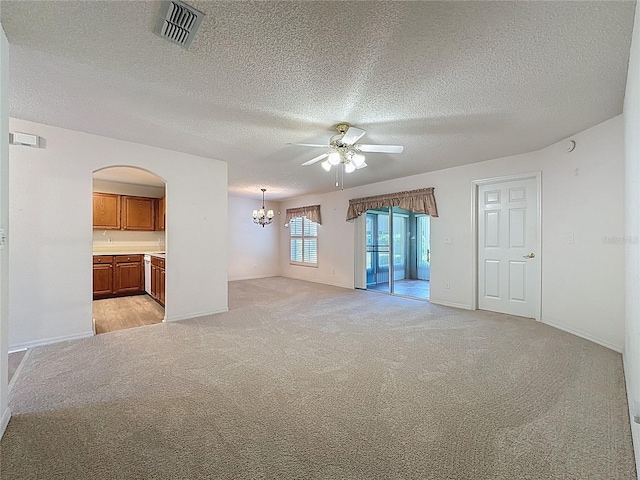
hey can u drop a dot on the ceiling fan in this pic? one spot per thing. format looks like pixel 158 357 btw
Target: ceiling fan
pixel 342 149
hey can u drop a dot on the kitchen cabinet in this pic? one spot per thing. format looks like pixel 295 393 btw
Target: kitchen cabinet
pixel 127 212
pixel 161 214
pixel 106 211
pixel 158 279
pixel 129 274
pixel 138 213
pixel 117 275
pixel 102 275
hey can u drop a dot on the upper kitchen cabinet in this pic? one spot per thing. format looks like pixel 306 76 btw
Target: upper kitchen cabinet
pixel 138 213
pixel 106 211
pixel 160 214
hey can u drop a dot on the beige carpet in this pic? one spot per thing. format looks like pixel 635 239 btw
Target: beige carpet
pixel 301 380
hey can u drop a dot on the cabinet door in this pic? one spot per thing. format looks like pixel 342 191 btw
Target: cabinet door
pixel 154 281
pixel 102 279
pixel 160 214
pixel 106 211
pixel 138 213
pixel 128 277
pixel 161 286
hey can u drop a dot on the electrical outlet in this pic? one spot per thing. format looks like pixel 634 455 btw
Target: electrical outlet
pixel 571 239
pixel 447 285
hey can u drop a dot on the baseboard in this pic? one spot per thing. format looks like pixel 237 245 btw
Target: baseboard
pixel 250 277
pixel 586 336
pixel 635 428
pixel 333 284
pixel 49 341
pixel 6 416
pixel 450 304
pixel 195 315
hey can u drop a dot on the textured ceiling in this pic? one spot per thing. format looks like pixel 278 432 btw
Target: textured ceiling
pixel 454 82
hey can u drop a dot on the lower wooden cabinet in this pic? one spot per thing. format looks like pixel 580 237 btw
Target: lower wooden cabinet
pixel 157 279
pixel 129 274
pixel 102 275
pixel 115 275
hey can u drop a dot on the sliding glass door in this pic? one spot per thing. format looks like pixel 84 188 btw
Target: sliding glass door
pixel 397 252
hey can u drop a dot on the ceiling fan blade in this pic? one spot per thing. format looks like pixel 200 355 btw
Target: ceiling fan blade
pixel 310 145
pixel 380 148
pixel 316 159
pixel 352 135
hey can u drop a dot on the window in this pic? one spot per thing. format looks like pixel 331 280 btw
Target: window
pixel 304 241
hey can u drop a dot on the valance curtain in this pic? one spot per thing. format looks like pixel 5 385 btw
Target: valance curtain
pixel 312 212
pixel 418 201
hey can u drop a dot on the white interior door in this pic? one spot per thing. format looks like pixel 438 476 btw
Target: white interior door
pixel 509 247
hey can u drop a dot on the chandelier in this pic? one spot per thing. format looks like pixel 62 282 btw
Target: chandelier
pixel 260 217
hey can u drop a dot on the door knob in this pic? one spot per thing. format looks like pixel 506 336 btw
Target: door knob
pixel 531 255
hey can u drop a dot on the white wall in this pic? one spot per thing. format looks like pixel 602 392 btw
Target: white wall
pixel 632 230
pixel 582 194
pixel 50 219
pixel 253 250
pixel 105 241
pixel 4 223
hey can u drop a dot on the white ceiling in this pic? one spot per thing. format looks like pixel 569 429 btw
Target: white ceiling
pixel 454 82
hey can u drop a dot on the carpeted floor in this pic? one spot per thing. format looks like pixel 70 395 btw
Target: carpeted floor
pixel 301 380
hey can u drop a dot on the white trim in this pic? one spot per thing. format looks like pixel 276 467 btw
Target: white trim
pixel 49 341
pixel 581 334
pixel 333 284
pixel 18 370
pixel 249 277
pixel 635 428
pixel 194 315
pixel 475 185
pixel 6 416
pixel 452 304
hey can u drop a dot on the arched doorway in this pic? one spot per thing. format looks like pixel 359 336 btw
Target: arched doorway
pixel 129 231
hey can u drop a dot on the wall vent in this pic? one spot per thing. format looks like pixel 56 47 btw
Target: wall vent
pixel 178 22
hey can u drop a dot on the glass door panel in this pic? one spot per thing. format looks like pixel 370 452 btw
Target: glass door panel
pixel 400 245
pixel 423 247
pixel 378 250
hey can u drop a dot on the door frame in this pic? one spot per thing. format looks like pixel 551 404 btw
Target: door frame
pixel 475 187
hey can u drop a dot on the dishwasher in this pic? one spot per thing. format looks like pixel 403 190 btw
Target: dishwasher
pixel 147 274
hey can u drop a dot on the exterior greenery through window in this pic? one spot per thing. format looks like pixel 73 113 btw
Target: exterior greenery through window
pixel 304 241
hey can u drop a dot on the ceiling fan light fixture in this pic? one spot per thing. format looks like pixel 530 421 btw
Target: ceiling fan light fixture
pixel 349 167
pixel 326 165
pixel 357 159
pixel 334 158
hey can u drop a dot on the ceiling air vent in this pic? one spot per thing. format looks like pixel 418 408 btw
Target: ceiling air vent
pixel 178 22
